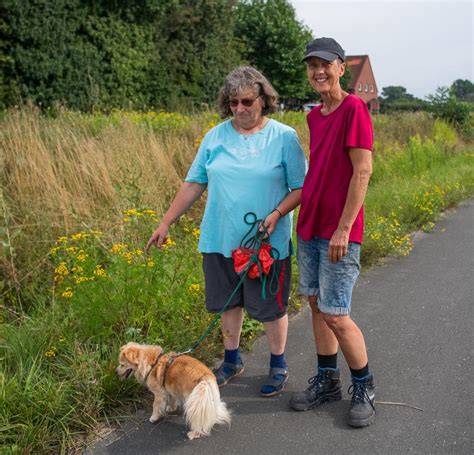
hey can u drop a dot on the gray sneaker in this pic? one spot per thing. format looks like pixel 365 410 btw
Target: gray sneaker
pixel 362 412
pixel 325 386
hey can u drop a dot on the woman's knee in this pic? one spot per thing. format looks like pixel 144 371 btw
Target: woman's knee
pixel 336 323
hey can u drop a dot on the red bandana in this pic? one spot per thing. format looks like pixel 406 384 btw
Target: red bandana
pixel 241 257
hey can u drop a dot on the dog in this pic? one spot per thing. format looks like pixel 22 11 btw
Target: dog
pixel 176 380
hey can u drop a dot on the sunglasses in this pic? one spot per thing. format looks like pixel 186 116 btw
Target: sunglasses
pixel 247 102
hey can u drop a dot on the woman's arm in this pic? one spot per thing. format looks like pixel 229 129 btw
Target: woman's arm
pixel 187 195
pixel 362 165
pixel 291 201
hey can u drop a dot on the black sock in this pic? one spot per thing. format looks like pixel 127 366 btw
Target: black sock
pixel 362 373
pixel 327 361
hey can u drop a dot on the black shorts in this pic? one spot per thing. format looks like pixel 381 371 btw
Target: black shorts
pixel 221 280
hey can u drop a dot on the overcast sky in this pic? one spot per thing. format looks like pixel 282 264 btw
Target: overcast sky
pixel 420 45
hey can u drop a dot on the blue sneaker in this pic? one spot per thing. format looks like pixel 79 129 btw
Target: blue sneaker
pixel 227 371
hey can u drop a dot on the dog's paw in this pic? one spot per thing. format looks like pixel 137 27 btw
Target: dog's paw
pixel 154 419
pixel 194 435
pixel 170 408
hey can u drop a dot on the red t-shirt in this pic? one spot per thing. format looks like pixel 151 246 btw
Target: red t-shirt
pixel 330 168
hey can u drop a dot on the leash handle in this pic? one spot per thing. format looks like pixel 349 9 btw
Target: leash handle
pixel 252 242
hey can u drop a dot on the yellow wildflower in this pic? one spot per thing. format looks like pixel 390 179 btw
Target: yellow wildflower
pixel 99 271
pixel 168 242
pixel 82 257
pixel 150 263
pixel 196 232
pixel 67 293
pixel 128 256
pixel 54 250
pixel 118 248
pixel 61 269
pixel 80 279
pixel 77 269
pixel 62 239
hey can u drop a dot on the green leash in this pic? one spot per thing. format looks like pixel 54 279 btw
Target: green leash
pixel 253 242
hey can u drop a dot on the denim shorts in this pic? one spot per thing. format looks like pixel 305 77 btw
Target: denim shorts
pixel 331 283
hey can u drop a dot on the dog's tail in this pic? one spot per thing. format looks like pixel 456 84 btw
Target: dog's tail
pixel 203 408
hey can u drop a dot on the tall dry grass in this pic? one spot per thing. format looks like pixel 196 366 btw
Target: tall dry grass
pixel 59 175
pixel 73 171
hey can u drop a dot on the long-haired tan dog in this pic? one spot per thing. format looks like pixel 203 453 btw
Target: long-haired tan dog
pixel 176 381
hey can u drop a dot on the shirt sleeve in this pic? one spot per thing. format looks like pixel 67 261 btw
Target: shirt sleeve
pixel 359 132
pixel 198 172
pixel 294 161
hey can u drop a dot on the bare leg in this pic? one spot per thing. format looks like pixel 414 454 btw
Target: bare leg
pixel 326 341
pixel 231 324
pixel 350 340
pixel 277 332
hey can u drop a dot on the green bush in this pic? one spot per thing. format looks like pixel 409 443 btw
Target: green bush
pixel 448 108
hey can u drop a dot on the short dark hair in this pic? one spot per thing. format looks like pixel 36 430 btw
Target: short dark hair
pixel 244 78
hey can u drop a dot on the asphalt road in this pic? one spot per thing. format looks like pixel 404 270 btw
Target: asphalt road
pixel 416 314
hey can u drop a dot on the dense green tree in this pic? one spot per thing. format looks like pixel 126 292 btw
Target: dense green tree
pixel 196 48
pixel 274 42
pixel 463 90
pixel 445 106
pixel 395 92
pixel 89 54
pixel 396 98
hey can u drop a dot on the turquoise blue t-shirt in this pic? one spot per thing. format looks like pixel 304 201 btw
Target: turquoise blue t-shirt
pixel 246 173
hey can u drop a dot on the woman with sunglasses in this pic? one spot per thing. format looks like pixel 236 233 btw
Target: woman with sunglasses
pixel 248 163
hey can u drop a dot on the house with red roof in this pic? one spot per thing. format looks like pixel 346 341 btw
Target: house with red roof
pixel 362 82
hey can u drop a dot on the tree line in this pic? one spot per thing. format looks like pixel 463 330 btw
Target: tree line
pixel 144 54
pixel 452 104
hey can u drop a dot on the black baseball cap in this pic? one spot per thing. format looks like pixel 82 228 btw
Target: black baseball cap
pixel 326 48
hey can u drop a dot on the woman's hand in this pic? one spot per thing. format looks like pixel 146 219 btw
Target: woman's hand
pixel 338 245
pixel 158 237
pixel 270 222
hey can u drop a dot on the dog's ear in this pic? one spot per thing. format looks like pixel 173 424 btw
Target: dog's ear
pixel 131 353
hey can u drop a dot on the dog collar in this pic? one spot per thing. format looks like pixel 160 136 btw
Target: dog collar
pixel 168 363
pixel 153 366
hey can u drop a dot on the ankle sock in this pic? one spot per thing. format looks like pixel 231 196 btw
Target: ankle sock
pixel 232 356
pixel 277 361
pixel 361 373
pixel 327 361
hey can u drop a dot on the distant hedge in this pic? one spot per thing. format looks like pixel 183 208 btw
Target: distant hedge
pixel 114 53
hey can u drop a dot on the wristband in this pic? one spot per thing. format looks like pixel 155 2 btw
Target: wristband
pixel 276 210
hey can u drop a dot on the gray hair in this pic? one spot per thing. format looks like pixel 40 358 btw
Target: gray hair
pixel 242 79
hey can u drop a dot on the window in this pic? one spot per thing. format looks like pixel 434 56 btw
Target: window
pixel 366 88
pixel 359 87
pixel 371 89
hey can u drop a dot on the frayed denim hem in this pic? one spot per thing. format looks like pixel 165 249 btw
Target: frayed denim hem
pixel 308 292
pixel 334 310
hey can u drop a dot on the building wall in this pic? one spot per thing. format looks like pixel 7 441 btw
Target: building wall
pixel 365 86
